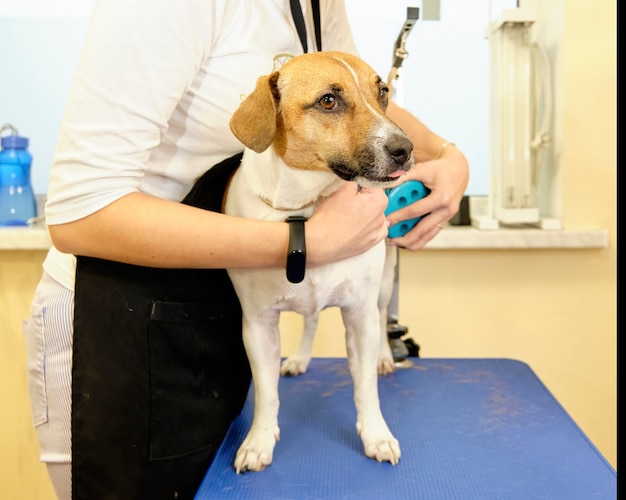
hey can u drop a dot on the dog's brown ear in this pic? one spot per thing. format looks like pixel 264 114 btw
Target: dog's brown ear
pixel 254 121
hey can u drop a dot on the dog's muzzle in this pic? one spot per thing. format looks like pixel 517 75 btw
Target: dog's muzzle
pixel 377 165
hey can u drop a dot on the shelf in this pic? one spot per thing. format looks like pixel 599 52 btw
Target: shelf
pixel 24 238
pixel 470 238
pixel 451 238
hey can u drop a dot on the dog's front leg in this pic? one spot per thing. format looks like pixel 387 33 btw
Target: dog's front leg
pixel 262 341
pixel 363 343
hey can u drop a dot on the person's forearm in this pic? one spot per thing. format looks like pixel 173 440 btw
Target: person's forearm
pixel 143 230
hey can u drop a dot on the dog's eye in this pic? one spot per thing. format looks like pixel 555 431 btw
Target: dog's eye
pixel 328 101
pixel 383 96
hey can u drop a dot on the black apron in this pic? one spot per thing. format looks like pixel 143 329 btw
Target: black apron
pixel 159 371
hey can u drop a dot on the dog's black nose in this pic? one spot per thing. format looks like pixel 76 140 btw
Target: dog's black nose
pixel 399 148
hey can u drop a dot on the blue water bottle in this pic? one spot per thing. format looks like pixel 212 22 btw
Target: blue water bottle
pixel 17 200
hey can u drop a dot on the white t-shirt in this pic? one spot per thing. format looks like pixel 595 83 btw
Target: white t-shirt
pixel 154 91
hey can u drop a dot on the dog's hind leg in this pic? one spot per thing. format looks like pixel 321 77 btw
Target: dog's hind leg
pixel 298 362
pixel 386 363
pixel 262 341
pixel 363 343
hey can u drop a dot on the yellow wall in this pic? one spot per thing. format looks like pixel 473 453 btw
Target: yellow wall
pixel 553 309
pixel 22 477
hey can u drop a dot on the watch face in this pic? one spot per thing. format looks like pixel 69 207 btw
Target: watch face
pixel 296 265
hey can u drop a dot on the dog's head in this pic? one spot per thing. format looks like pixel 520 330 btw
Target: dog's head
pixel 326 111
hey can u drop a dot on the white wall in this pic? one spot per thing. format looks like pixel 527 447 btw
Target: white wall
pixel 39 55
pixel 445 77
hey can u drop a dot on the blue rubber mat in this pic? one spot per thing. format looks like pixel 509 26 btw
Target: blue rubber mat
pixel 468 428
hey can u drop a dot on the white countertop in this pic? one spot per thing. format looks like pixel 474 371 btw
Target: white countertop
pixel 468 237
pixel 24 238
pixel 450 238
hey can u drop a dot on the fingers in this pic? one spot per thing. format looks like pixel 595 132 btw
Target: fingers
pixel 425 230
pixel 347 223
pixel 376 201
pixel 416 241
pixel 447 180
pixel 419 208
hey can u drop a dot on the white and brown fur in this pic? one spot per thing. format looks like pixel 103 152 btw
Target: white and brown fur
pixel 310 127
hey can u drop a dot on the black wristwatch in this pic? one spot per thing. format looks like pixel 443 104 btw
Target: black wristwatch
pixel 296 253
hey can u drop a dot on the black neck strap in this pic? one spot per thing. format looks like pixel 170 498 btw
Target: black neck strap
pixel 315 4
pixel 298 19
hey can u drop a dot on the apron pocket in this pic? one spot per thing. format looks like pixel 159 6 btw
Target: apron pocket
pixel 188 358
pixel 33 331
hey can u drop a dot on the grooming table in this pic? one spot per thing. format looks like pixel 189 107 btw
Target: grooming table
pixel 468 429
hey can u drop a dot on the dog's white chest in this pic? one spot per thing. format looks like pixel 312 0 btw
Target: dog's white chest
pixel 347 283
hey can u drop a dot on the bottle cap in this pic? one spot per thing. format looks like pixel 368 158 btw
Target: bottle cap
pixel 14 142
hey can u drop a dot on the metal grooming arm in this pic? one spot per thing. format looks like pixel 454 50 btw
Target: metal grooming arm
pixel 395 331
pixel 399 51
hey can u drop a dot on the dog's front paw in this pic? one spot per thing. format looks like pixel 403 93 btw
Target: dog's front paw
pixel 294 365
pixel 380 446
pixel 387 450
pixel 256 451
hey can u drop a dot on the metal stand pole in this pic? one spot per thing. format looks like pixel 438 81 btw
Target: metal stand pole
pixel 396 331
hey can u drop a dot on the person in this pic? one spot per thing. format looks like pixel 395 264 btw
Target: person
pixel 135 360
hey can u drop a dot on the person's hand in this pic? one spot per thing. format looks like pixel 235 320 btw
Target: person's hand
pixel 447 179
pixel 347 223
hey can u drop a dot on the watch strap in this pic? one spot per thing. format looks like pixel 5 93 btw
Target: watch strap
pixel 296 252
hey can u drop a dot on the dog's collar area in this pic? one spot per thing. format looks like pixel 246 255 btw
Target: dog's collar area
pixel 296 253
pixel 313 203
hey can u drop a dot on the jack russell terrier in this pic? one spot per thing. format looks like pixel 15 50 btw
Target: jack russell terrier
pixel 308 128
